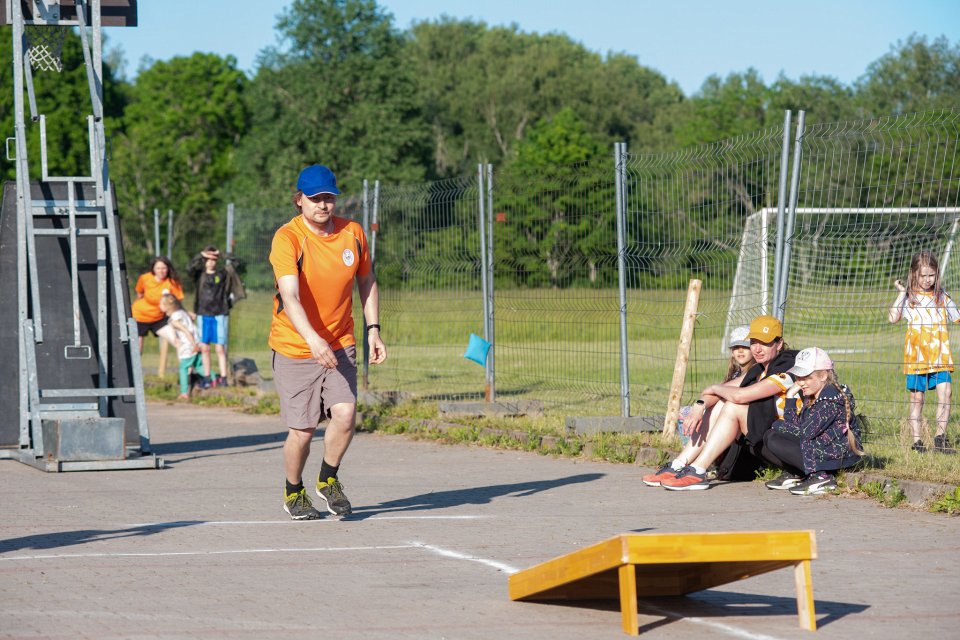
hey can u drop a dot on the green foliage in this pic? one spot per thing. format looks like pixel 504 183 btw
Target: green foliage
pixel 557 198
pixel 339 93
pixel 181 130
pixel 916 75
pixel 725 108
pixel 888 494
pixel 482 88
pixel 64 98
pixel 949 503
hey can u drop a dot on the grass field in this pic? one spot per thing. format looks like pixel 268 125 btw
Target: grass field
pixel 562 347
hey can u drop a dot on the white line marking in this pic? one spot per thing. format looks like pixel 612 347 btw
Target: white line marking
pixel 499 566
pixel 427 517
pixel 160 554
pixel 718 626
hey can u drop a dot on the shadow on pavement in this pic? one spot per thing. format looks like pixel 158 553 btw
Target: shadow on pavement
pixel 472 495
pixel 62 539
pixel 721 604
pixel 218 444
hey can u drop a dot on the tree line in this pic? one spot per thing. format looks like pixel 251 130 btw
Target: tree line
pixel 345 86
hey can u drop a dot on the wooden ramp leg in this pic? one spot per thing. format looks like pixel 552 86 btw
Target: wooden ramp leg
pixel 628 599
pixel 801 575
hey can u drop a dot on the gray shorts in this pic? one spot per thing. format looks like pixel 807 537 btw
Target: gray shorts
pixel 307 389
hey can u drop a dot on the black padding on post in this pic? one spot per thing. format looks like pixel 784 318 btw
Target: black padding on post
pixel 54 370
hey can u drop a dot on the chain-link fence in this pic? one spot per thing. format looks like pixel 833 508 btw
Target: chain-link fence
pixel 687 218
pixel 872 194
pixel 586 291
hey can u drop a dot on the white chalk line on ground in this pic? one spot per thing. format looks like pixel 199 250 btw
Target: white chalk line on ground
pixel 447 553
pixel 717 626
pixel 500 566
pixel 163 554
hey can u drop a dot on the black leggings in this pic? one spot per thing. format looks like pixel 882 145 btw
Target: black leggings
pixel 783 450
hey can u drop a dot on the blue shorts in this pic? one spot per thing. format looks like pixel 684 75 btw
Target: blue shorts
pixel 213 329
pixel 927 381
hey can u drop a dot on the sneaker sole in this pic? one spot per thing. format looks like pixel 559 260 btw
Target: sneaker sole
pixel 309 516
pixel 652 483
pixel 784 486
pixel 815 491
pixel 346 512
pixel 689 487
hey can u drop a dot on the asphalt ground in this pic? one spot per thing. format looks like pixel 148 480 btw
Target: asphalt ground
pixel 203 548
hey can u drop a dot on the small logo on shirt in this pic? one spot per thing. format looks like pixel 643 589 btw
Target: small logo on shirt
pixel 348 257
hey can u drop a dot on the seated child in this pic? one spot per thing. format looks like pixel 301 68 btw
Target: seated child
pixel 187 340
pixel 741 359
pixel 818 435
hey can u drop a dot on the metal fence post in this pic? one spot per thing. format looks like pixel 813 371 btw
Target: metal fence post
pixel 781 208
pixel 229 239
pixel 373 221
pixel 170 234
pixel 491 336
pixel 366 335
pixel 620 157
pixel 156 232
pixel 484 285
pixel 791 219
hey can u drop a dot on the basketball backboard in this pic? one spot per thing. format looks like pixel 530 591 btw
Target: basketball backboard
pixel 113 13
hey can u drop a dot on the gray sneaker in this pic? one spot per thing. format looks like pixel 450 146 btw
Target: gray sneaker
pixel 332 493
pixel 785 480
pixel 815 484
pixel 299 507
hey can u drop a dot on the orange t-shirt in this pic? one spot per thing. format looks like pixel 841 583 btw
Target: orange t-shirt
pixel 147 308
pixel 327 268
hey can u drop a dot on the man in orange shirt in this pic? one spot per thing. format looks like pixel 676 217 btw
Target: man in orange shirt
pixel 316 257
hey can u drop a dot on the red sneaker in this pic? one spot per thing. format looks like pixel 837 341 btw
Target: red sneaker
pixel 663 473
pixel 686 480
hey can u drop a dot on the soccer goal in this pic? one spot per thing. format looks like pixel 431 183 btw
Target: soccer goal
pixel 843 261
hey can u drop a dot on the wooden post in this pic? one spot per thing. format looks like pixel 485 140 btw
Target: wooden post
pixel 683 356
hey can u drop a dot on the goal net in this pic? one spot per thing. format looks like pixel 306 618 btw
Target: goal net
pixel 843 261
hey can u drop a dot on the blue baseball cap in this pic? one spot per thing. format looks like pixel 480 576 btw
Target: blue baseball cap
pixel 317 179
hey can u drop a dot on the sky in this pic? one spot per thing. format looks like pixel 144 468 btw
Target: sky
pixel 685 40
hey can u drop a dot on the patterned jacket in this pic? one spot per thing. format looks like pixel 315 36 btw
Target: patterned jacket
pixel 822 429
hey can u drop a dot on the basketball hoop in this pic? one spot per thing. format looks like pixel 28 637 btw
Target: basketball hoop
pixel 44 47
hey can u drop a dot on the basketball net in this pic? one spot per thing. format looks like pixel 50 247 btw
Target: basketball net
pixel 44 47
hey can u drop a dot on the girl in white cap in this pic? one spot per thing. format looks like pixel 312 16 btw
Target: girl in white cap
pixel 817 436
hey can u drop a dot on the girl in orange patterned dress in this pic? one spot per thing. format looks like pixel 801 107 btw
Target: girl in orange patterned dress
pixel 927 361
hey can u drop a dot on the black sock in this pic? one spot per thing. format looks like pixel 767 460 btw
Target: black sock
pixel 294 488
pixel 328 471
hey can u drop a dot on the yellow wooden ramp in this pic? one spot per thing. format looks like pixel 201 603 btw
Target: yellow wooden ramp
pixel 634 565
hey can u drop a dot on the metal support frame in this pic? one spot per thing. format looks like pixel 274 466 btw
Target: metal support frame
pixel 783 268
pixel 34 402
pixel 781 200
pixel 490 325
pixel 620 169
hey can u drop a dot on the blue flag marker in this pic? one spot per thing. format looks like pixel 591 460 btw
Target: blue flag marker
pixel 477 349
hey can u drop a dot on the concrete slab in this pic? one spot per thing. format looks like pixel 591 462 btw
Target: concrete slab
pixel 589 425
pixel 202 549
pixel 531 408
